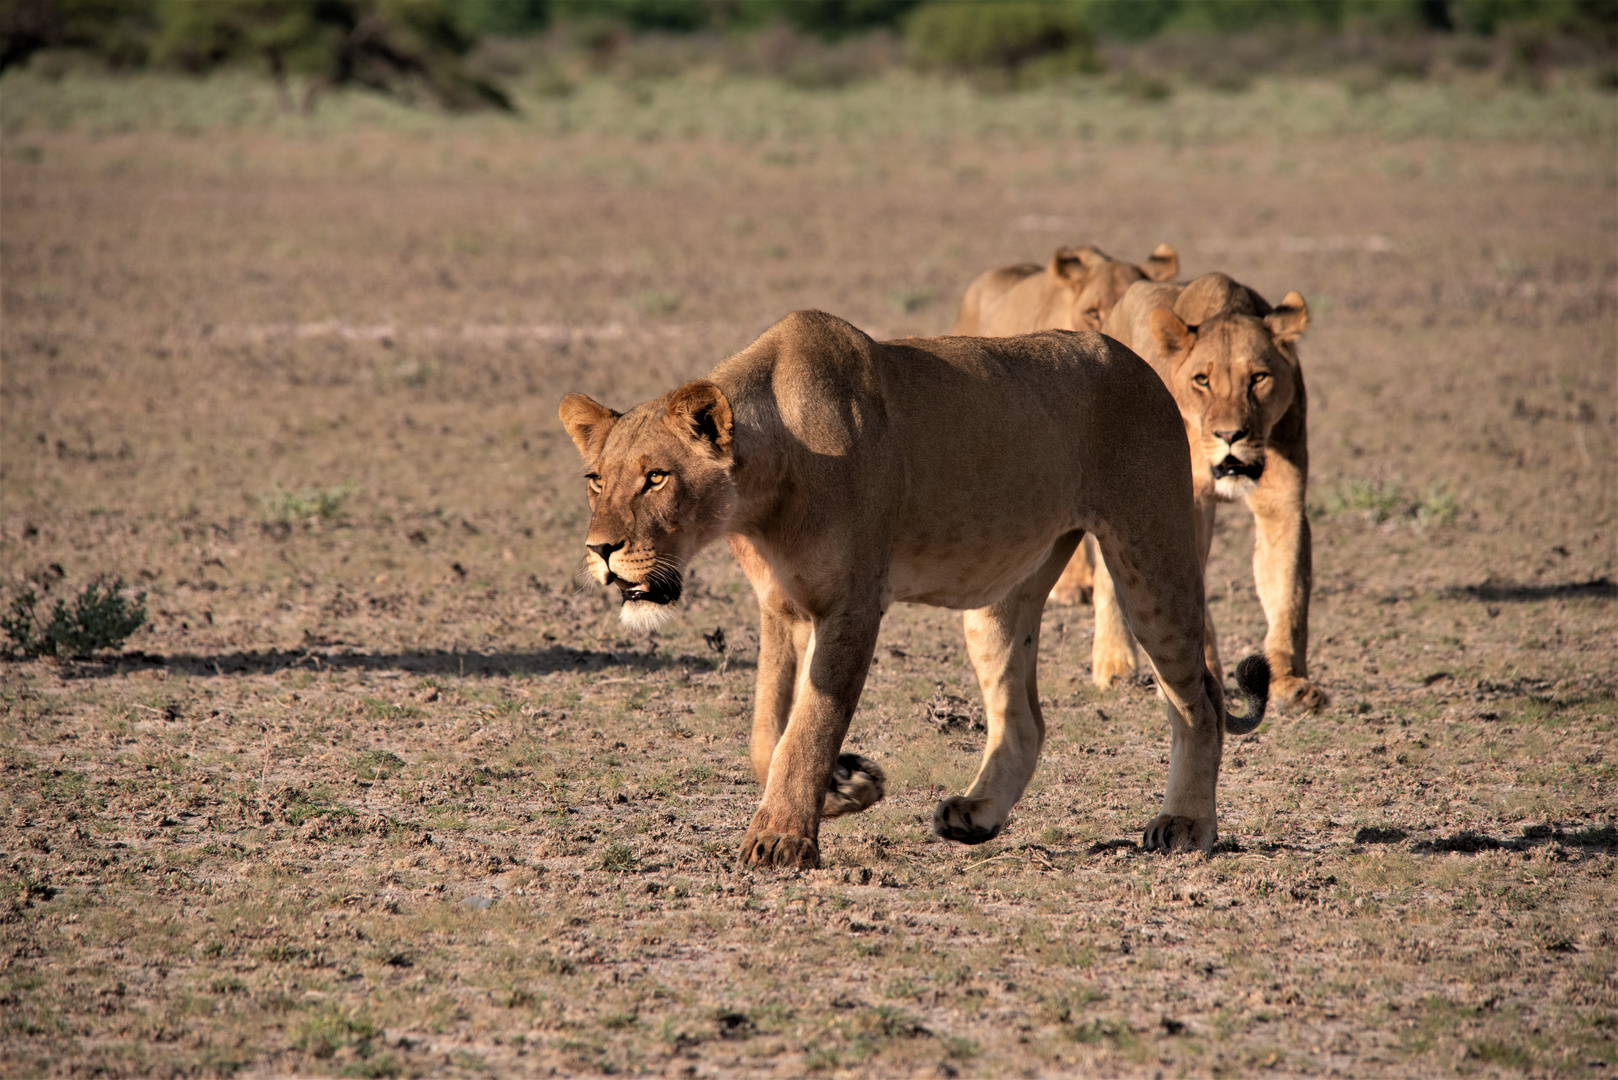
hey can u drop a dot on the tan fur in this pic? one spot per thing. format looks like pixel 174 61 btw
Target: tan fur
pixel 848 474
pixel 1231 362
pixel 1076 290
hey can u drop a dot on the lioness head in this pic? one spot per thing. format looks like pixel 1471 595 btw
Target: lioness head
pixel 660 488
pixel 1233 377
pixel 1099 281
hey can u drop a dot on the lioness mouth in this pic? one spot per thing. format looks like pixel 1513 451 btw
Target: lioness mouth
pixel 649 593
pixel 1233 466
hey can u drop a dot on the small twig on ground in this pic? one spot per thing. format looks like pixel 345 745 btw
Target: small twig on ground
pixel 264 771
pixel 1027 849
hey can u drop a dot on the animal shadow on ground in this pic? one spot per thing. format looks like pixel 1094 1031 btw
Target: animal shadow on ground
pixel 1497 592
pixel 422 662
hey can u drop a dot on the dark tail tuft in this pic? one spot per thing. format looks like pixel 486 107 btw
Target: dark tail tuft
pixel 1253 683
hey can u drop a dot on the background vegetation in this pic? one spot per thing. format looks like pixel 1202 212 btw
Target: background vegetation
pixel 466 54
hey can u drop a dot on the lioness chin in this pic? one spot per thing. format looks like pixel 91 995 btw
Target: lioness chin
pixel 847 474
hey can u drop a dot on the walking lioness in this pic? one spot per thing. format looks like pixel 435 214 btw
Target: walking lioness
pixel 1231 362
pixel 1076 290
pixel 957 472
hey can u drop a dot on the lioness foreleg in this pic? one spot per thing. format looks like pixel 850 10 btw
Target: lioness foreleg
pixel 1282 571
pixel 786 828
pixel 782 640
pixel 1003 641
pixel 856 783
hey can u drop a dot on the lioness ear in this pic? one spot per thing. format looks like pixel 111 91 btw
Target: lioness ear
pixel 1074 263
pixel 1172 336
pixel 1163 265
pixel 700 410
pixel 1288 320
pixel 587 422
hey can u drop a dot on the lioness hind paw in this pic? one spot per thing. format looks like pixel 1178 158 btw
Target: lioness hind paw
pixel 857 784
pixel 1107 667
pixel 1300 693
pixel 780 851
pixel 953 820
pixel 1169 832
pixel 1071 595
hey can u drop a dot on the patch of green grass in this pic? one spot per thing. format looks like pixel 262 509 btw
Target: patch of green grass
pixel 1378 501
pixel 304 506
pixel 910 300
pixel 619 859
pixel 656 302
pixel 328 1029
pixel 1497 1052
pixel 382 709
pixel 378 765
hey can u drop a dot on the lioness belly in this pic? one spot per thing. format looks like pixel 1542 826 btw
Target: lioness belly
pixel 963 578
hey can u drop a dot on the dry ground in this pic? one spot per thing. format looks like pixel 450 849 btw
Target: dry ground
pixel 385 792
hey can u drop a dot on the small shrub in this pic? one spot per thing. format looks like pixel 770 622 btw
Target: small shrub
pixel 100 617
pixel 1010 35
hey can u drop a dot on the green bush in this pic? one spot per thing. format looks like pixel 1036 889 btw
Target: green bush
pixel 1011 35
pixel 99 618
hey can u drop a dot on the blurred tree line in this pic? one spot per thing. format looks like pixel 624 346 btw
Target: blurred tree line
pixel 421 47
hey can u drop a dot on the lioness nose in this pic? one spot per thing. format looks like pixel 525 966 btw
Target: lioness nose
pixel 605 550
pixel 1231 438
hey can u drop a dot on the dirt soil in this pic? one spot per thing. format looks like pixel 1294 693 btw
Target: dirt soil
pixel 383 790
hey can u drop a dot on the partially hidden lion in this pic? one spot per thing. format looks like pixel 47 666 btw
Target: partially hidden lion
pixel 1231 362
pixel 958 472
pixel 1076 290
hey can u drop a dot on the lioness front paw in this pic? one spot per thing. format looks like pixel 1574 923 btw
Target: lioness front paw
pixel 779 850
pixel 1298 693
pixel 1168 832
pixel 857 784
pixel 965 821
pixel 1107 665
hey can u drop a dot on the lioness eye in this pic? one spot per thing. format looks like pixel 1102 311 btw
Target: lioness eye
pixel 595 483
pixel 1260 376
pixel 1094 313
pixel 1200 380
pixel 654 479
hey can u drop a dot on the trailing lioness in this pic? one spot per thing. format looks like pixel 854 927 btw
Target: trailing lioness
pixel 1076 290
pixel 957 472
pixel 1231 362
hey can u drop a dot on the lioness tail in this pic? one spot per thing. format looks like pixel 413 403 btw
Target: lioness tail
pixel 1253 683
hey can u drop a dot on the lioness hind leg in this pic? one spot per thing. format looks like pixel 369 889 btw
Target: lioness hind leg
pixel 1160 594
pixel 1112 654
pixel 857 783
pixel 1003 642
pixel 1077 583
